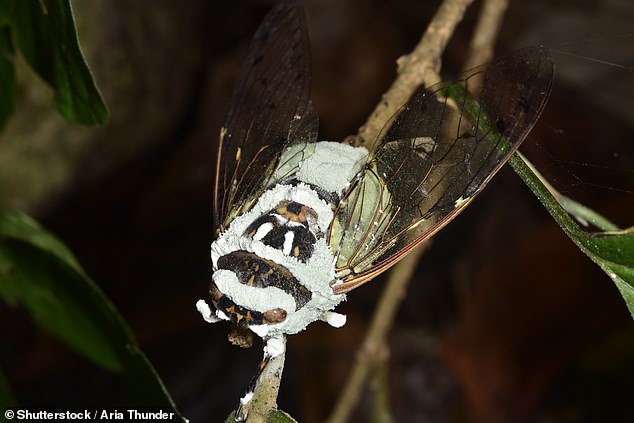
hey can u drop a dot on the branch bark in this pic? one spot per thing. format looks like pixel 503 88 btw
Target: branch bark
pixel 486 31
pixel 421 66
pixel 266 389
pixel 374 349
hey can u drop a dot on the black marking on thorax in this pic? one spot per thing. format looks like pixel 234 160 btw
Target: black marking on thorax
pixel 332 198
pixel 287 228
pixel 255 271
pixel 242 316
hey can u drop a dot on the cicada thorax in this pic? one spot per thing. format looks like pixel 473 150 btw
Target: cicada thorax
pixel 291 228
pixel 287 228
pixel 273 265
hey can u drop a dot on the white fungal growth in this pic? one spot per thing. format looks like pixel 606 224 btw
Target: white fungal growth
pixel 263 231
pixel 289 237
pixel 317 274
pixel 328 165
pixel 260 330
pixel 246 398
pixel 336 320
pixel 275 346
pixel 271 198
pixel 204 309
pixel 460 201
pixel 252 297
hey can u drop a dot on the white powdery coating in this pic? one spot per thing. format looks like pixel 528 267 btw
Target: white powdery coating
pixel 246 398
pixel 336 320
pixel 260 330
pixel 263 230
pixel 204 309
pixel 289 237
pixel 275 346
pixel 251 297
pixel 328 165
pixel 316 275
pixel 268 201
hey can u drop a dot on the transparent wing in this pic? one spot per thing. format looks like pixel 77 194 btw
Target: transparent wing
pixel 437 153
pixel 270 109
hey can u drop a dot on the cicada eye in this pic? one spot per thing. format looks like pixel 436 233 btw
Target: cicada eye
pixel 277 315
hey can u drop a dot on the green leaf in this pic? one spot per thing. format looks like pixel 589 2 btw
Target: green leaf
pixel 612 249
pixel 7 74
pixel 614 253
pixel 45 32
pixel 582 213
pixel 40 273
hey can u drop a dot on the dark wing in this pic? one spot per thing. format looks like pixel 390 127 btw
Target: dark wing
pixel 438 153
pixel 270 110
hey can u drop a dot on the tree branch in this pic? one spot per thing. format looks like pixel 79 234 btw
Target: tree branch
pixel 374 350
pixel 420 67
pixel 485 33
pixel 266 389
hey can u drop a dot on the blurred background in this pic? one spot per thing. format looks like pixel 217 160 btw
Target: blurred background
pixel 505 320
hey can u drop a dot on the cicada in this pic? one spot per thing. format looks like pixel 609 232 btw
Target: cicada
pixel 301 222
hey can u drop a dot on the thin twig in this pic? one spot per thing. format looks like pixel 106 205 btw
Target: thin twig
pixel 266 389
pixel 485 33
pixel 420 67
pixel 374 342
pixel 379 387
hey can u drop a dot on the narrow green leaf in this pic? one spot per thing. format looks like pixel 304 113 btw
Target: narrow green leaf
pixel 40 273
pixel 19 226
pixel 617 246
pixel 7 74
pixel 53 294
pixel 45 33
pixel 625 288
pixel 612 250
pixel 583 214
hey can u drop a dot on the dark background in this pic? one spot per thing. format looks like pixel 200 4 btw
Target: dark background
pixel 505 319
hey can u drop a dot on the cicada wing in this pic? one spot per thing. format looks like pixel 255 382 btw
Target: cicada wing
pixel 270 109
pixel 436 154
